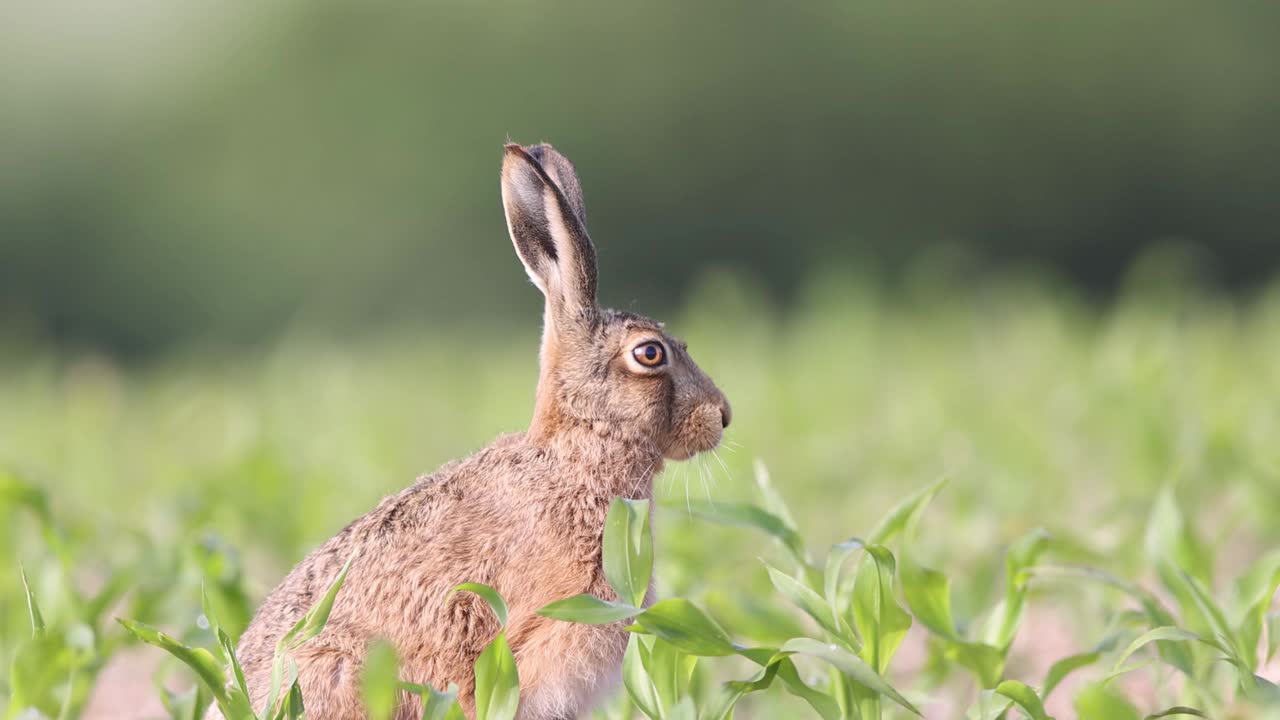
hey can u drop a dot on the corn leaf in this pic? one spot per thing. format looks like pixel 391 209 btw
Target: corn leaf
pixel 628 549
pixel 682 624
pixel 588 609
pixel 497 683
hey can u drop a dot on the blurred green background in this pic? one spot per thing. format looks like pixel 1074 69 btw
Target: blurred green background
pixel 254 273
pixel 216 172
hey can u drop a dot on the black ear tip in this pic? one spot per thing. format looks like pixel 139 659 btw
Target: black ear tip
pixel 540 151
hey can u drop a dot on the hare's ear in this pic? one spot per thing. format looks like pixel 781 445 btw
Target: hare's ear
pixel 547 222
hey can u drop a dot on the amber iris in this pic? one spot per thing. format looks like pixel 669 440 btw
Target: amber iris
pixel 650 354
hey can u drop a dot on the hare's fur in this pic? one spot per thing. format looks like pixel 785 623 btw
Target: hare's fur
pixel 525 514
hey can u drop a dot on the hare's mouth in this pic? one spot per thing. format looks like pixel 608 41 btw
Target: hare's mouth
pixel 699 432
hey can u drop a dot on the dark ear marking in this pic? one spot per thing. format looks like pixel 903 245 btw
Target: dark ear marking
pixel 563 175
pixel 545 216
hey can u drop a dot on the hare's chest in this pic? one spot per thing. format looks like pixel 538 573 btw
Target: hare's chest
pixel 571 672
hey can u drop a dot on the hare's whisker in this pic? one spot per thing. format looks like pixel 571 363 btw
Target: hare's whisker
pixel 641 478
pixel 688 501
pixel 703 471
pixel 728 475
pixel 714 474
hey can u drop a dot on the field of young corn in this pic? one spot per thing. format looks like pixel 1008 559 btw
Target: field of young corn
pixel 942 503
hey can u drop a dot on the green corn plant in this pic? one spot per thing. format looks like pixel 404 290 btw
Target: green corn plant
pixel 45 674
pixel 682 625
pixel 859 604
pixel 54 670
pixel 436 705
pixel 861 620
pixel 1202 639
pixel 284 700
pixel 497 682
pixel 860 617
pixel 496 678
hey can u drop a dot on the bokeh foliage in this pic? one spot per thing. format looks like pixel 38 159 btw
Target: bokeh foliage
pixel 1042 409
pixel 219 170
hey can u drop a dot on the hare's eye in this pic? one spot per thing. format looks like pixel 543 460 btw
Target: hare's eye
pixel 650 354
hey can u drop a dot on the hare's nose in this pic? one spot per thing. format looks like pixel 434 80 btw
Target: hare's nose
pixel 725 414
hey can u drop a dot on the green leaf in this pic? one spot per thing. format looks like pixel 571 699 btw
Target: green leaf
pixel 277 678
pixel 728 695
pixel 984 661
pixel 670 669
pixel 682 624
pixel 588 609
pixel 636 679
pixel 117 585
pixel 1170 539
pixel 832 575
pixel 310 624
pixel 1273 635
pixel 228 647
pixel 1099 701
pixel 1178 710
pixel 1160 634
pixel 188 705
pixel 747 515
pixel 809 601
pixel 1024 697
pixel 1260 690
pixel 820 702
pixel 38 675
pixel 1176 654
pixel 33 608
pixel 628 549
pixel 773 501
pixel 1022 555
pixel 497 684
pixel 291 708
pixel 928 594
pixel 1066 666
pixel 437 705
pixel 307 627
pixel 380 681
pixel 848 664
pixel 775 505
pixel 490 596
pixel 989 706
pixel 1256 590
pixel 905 515
pixel 1217 621
pixel 16 492
pixel 237 672
pixel 234 705
pixel 880 621
pixel 684 710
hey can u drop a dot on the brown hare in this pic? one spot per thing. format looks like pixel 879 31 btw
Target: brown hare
pixel 616 396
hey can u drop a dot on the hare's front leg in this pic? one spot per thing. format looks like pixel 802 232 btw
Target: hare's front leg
pixel 329 669
pixel 564 667
pixel 329 675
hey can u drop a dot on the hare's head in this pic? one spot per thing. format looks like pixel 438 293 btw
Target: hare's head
pixel 612 371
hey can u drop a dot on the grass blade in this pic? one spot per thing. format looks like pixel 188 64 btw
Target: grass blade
pixel 588 609
pixel 1024 697
pixel 682 624
pixel 848 664
pixel 490 596
pixel 497 683
pixel 628 549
